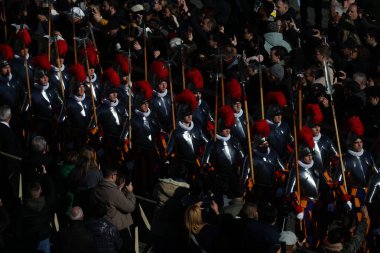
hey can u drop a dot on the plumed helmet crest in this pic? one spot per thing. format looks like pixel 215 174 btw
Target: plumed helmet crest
pixel 24 36
pixel 143 87
pixel 314 111
pixel 78 72
pixel 111 76
pixel 122 61
pixel 234 89
pixel 6 52
pixel 276 97
pixel 354 125
pixel 226 114
pixel 261 128
pixel 306 136
pixel 62 47
pixel 160 70
pixel 195 77
pixel 42 62
pixel 187 97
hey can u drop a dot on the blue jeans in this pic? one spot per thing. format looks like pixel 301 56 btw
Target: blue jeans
pixel 44 245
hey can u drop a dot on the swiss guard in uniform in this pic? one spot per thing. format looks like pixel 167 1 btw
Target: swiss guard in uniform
pixel 268 168
pixel 358 163
pixel 92 76
pixel 112 117
pixel 201 115
pixel 59 72
pixel 280 137
pixel 225 155
pixel 145 128
pixel 160 103
pixel 187 140
pixel 78 108
pixel 234 98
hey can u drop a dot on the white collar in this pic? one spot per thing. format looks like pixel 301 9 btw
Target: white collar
pixel 6 78
pixel 161 95
pixel 222 138
pixel 356 154
pixel 112 104
pixel 143 114
pixel 317 138
pixel 41 87
pixel 5 123
pixel 93 79
pixel 184 127
pixel 272 123
pixel 238 115
pixel 304 165
pixel 78 99
pixel 56 69
pixel 199 102
pixel 19 56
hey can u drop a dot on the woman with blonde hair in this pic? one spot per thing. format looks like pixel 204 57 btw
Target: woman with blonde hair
pixel 201 234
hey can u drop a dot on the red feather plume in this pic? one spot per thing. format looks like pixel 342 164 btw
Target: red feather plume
pixel 187 97
pixel 112 76
pixel 276 97
pixel 41 61
pixel 91 54
pixel 23 34
pixel 315 111
pixel 122 61
pixel 195 77
pixel 306 135
pixel 62 47
pixel 234 89
pixel 6 51
pixel 78 71
pixel 143 86
pixel 226 113
pixel 354 124
pixel 159 69
pixel 261 127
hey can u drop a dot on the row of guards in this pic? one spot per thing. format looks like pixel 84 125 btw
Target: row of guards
pixel 72 107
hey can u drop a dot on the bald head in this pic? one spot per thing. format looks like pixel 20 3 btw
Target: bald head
pixel 76 213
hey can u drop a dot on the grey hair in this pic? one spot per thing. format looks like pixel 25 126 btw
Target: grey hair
pixel 76 213
pixel 38 144
pixel 360 77
pixel 5 113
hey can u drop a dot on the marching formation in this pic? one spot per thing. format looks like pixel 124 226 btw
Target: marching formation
pixel 251 126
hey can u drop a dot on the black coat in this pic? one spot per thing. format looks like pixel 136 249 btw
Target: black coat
pixel 76 238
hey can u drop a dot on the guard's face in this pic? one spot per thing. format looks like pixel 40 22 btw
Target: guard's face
pixel 198 96
pixel 144 107
pixel 91 71
pixel 80 91
pixel 6 70
pixel 44 80
pixel 316 130
pixel 188 119
pixel 357 146
pixel 277 119
pixel 307 159
pixel 112 96
pixel 225 132
pixel 161 87
pixel 236 107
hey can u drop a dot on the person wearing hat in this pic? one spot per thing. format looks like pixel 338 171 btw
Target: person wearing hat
pixel 20 46
pixel 187 139
pixel 45 99
pixel 201 115
pixel 112 115
pixel 78 108
pixel 145 129
pixel 161 104
pixel 324 151
pixel 124 68
pixel 235 99
pixel 358 163
pixel 266 162
pixel 91 73
pixel 280 136
pixel 9 84
pixel 273 37
pixel 56 72
pixel 225 154
pixel 310 180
